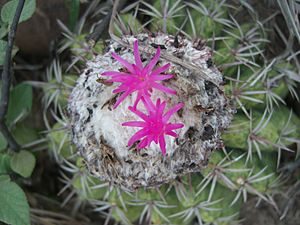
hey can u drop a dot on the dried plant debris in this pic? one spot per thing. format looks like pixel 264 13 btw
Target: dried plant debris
pixel 102 141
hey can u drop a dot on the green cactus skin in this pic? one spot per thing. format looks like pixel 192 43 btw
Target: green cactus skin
pixel 281 90
pixel 268 160
pixel 132 24
pixel 82 178
pixel 95 194
pixel 63 87
pixel 279 87
pixel 205 27
pixel 81 48
pixel 132 212
pixel 223 197
pixel 226 196
pixel 292 126
pixel 180 204
pixel 59 141
pixel 227 49
pixel 237 136
pixel 175 204
pixel 158 23
pixel 232 42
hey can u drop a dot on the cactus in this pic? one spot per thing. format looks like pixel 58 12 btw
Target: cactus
pixel 166 16
pixel 127 24
pixel 245 166
pixel 207 20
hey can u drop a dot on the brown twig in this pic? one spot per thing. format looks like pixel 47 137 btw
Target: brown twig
pixel 6 79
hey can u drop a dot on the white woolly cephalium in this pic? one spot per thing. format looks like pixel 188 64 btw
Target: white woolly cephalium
pixel 102 141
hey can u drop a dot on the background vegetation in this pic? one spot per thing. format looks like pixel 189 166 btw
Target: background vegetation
pixel 254 43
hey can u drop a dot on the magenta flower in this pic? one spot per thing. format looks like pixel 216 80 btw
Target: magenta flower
pixel 139 78
pixel 155 124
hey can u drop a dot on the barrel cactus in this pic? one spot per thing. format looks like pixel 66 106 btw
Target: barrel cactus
pixel 96 124
pixel 211 165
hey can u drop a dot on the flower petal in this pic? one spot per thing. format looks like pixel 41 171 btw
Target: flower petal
pixel 114 73
pixel 119 89
pixel 143 143
pixel 134 124
pixel 148 104
pixel 153 61
pixel 137 136
pixel 150 138
pixel 122 79
pixel 162 144
pixel 161 69
pixel 171 133
pixel 123 62
pixel 171 111
pixel 137 100
pixel 138 113
pixel 173 126
pixel 163 88
pixel 162 77
pixel 160 109
pixel 121 98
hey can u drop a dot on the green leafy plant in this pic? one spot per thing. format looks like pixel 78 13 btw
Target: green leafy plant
pixel 7 13
pixel 15 209
pixel 14 206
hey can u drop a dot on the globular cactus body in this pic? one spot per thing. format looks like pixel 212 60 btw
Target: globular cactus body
pixel 103 142
pixel 245 165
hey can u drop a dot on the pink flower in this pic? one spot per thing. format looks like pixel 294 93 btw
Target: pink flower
pixel 139 78
pixel 155 124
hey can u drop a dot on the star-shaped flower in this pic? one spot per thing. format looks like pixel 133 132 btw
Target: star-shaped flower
pixel 139 78
pixel 155 125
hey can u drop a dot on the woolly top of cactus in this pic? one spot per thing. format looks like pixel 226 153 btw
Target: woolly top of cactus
pixel 95 125
pixel 103 142
pixel 155 124
pixel 139 78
